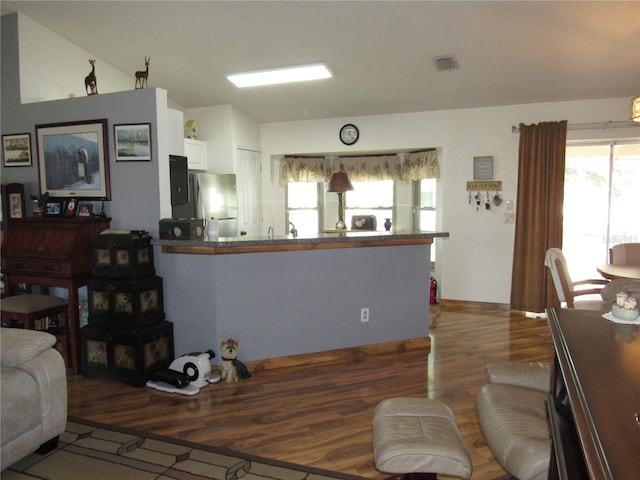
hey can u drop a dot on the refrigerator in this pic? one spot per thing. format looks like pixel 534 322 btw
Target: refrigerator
pixel 211 196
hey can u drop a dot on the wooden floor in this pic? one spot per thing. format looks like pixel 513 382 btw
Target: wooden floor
pixel 321 415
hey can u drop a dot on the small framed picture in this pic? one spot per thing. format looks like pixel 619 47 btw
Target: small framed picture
pixel 53 208
pixel 70 207
pixel 84 209
pixel 483 168
pixel 133 142
pixel 13 201
pixel 16 150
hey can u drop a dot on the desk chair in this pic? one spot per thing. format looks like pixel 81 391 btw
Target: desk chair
pixel 566 288
pixel 23 311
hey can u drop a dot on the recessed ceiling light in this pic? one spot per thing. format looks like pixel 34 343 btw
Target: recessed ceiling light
pixel 300 73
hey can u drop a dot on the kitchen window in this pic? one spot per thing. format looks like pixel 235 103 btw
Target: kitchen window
pixel 371 198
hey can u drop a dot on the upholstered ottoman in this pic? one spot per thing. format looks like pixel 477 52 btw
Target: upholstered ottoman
pixel 513 417
pixel 418 436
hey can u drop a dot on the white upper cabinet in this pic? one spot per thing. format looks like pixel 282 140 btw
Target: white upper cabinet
pixel 196 153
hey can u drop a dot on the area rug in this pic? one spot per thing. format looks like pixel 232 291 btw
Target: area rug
pixel 91 451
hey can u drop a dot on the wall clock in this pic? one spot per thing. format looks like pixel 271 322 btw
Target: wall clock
pixel 349 134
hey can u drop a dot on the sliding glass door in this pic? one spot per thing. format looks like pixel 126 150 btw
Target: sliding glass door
pixel 601 203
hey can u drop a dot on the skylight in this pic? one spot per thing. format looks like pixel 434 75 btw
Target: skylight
pixel 300 73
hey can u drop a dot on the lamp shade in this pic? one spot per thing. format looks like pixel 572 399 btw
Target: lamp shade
pixel 635 110
pixel 339 183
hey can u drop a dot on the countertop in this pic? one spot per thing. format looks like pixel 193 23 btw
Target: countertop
pixel 280 243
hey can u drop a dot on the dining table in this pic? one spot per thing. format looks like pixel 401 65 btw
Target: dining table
pixel 613 271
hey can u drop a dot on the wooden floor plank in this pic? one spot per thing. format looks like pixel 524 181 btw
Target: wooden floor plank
pixel 320 415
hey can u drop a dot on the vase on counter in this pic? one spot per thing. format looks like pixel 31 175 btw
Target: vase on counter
pixel 387 224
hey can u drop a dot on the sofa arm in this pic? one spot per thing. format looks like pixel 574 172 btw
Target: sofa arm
pixel 534 375
pixel 20 346
pixel 49 372
pixel 32 352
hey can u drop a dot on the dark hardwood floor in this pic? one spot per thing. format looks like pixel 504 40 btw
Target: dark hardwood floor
pixel 321 415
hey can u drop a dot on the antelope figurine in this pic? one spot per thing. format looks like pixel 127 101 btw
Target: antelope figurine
pixel 90 81
pixel 142 75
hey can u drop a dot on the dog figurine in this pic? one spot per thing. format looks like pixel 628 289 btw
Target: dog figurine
pixel 232 368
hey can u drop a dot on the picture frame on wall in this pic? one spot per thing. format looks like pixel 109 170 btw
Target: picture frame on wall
pixel 483 168
pixel 73 159
pixel 16 150
pixel 133 142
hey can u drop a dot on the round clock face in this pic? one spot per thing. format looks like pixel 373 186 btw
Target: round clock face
pixel 349 134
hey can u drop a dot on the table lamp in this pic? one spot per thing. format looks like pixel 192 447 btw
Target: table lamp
pixel 339 184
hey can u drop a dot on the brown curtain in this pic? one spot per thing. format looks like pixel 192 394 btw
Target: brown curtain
pixel 538 213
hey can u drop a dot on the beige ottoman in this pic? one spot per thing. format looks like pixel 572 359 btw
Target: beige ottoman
pixel 418 436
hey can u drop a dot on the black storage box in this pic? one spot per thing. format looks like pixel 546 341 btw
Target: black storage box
pixel 130 303
pixel 127 355
pixel 182 228
pixel 123 255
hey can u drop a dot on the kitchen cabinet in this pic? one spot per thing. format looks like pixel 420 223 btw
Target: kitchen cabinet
pixel 196 153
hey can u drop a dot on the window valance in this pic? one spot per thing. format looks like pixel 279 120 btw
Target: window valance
pixel 304 169
pixel 365 168
pixel 419 165
pixel 370 168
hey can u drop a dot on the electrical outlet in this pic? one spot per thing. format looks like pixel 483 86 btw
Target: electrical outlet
pixel 364 315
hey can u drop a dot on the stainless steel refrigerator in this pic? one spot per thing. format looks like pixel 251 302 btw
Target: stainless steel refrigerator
pixel 212 196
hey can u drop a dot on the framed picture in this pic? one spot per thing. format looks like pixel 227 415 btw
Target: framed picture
pixel 13 201
pixel 70 207
pixel 16 150
pixel 133 142
pixel 73 159
pixel 483 168
pixel 85 209
pixel 53 208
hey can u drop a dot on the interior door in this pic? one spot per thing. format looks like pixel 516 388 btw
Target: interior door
pixel 249 191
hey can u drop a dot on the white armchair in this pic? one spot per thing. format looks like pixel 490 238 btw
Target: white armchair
pixel 33 393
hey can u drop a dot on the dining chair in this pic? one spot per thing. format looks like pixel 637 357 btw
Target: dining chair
pixel 566 288
pixel 625 254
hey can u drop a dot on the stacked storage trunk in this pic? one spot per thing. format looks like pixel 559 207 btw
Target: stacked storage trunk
pixel 127 337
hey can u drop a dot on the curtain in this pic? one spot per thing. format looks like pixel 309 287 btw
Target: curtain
pixel 304 169
pixel 370 168
pixel 538 213
pixel 419 165
pixel 366 168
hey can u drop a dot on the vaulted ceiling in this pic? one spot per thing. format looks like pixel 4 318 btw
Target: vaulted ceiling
pixel 381 52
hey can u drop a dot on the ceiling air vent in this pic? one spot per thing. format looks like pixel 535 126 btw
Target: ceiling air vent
pixel 446 63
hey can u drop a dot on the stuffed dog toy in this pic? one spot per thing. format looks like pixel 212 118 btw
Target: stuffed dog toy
pixel 232 368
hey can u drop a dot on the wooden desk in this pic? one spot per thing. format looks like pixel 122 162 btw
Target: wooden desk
pixel 613 271
pixel 53 252
pixel 598 363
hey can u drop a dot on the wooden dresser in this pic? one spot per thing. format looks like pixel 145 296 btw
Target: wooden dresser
pixel 53 252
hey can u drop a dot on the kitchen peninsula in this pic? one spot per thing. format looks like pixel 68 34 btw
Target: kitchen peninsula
pixel 283 296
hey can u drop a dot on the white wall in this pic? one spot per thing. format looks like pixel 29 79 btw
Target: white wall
pixel 475 262
pixel 65 65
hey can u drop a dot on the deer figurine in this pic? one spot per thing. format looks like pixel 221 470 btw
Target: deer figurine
pixel 142 75
pixel 90 81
